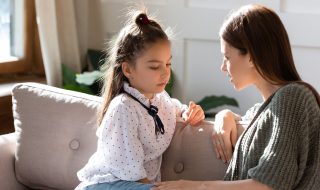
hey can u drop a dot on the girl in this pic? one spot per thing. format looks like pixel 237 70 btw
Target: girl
pixel 280 149
pixel 138 117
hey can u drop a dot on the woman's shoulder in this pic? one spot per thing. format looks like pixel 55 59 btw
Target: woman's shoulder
pixel 295 97
pixel 296 91
pixel 299 87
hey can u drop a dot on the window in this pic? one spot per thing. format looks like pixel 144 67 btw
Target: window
pixel 20 53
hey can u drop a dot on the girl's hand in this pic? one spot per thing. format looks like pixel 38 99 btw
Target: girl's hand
pixel 177 185
pixel 224 136
pixel 194 115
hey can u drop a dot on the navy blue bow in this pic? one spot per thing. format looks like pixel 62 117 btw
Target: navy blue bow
pixel 153 111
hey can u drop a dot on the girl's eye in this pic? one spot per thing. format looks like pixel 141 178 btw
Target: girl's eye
pixel 168 64
pixel 154 68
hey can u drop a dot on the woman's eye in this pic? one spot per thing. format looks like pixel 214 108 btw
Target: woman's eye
pixel 168 64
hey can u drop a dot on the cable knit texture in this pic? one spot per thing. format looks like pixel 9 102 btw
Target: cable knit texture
pixel 282 147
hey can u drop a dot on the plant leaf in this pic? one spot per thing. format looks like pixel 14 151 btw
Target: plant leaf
pixel 169 86
pixel 84 89
pixel 68 75
pixel 88 78
pixel 96 58
pixel 209 102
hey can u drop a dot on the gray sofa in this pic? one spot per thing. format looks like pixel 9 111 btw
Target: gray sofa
pixel 54 137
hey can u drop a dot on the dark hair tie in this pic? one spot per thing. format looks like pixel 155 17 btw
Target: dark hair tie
pixel 143 19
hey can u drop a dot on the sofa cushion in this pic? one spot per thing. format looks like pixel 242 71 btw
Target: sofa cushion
pixel 56 134
pixel 191 155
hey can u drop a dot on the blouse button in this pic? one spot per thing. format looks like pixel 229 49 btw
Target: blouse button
pixel 179 167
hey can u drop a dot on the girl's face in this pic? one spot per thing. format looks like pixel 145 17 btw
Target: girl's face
pixel 151 72
pixel 238 67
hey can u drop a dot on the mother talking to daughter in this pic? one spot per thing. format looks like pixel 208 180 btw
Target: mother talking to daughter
pixel 280 148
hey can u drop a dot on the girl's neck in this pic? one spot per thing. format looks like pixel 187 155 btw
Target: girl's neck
pixel 149 96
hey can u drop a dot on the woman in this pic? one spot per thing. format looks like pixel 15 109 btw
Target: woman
pixel 280 149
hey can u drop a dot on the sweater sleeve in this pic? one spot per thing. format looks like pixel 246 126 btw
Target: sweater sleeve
pixel 285 156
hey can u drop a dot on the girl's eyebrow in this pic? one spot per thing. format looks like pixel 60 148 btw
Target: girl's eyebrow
pixel 157 61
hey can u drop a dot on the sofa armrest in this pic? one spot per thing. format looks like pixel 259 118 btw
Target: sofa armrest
pixel 7 157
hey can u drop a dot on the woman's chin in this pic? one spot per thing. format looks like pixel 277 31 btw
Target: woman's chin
pixel 237 87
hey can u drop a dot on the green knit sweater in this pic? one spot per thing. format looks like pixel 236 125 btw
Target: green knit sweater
pixel 282 147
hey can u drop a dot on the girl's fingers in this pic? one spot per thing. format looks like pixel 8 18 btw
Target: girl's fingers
pixel 196 115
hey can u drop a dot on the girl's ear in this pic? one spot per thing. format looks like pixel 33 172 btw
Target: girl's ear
pixel 126 69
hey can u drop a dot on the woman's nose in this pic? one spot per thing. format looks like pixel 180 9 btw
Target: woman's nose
pixel 223 66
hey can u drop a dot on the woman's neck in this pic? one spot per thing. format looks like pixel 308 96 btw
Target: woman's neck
pixel 266 89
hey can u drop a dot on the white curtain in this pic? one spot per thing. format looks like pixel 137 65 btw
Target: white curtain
pixel 59 37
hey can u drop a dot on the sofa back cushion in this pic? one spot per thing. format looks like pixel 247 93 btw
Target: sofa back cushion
pixel 56 134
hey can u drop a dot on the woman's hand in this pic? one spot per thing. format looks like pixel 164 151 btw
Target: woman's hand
pixel 224 136
pixel 248 184
pixel 194 115
pixel 144 180
pixel 177 185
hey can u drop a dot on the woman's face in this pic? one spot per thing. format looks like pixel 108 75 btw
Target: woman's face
pixel 238 67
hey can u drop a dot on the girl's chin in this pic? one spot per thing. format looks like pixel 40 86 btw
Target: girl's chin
pixel 160 88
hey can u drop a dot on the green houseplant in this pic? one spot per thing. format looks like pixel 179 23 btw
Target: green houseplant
pixel 88 82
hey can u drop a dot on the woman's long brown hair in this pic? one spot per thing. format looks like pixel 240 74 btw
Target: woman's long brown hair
pixel 257 30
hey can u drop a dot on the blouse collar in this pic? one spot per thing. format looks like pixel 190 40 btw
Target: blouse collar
pixel 141 97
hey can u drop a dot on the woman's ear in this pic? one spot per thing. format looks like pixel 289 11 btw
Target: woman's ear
pixel 126 69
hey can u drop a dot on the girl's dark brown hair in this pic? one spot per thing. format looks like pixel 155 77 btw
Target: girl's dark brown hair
pixel 139 32
pixel 257 30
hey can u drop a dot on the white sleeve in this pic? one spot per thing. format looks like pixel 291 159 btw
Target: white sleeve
pixel 120 144
pixel 179 107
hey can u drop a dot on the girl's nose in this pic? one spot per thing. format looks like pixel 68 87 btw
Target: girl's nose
pixel 166 71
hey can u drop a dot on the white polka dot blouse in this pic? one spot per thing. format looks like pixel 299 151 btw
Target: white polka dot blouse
pixel 128 147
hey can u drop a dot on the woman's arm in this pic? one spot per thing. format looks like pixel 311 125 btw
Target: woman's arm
pixel 247 184
pixel 225 134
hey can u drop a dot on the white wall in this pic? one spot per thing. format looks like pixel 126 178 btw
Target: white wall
pixel 196 49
